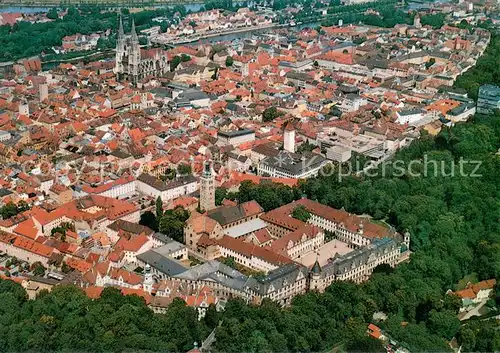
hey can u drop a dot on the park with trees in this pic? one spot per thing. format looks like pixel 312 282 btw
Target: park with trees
pixel 486 70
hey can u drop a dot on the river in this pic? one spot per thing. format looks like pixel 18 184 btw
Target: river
pixel 189 7
pixel 248 34
pixel 27 9
pixel 24 9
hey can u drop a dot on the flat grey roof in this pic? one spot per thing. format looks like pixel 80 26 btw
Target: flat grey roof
pixel 169 248
pixel 162 263
pixel 245 228
pixel 235 133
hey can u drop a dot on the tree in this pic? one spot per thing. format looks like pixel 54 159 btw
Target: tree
pixel 229 261
pixel 335 111
pixel 467 339
pixel 365 344
pixel 301 213
pixel 306 147
pixel 62 229
pixel 434 20
pixel 429 63
pixel 270 114
pixel 445 323
pixel 128 323
pixel 38 269
pixel 176 60
pixel 463 24
pixel 220 195
pixel 52 14
pixel 229 61
pixel 211 318
pixel 159 208
pixel 360 40
pixel 172 223
pixel 149 220
pixel 170 174
pixel 65 268
pixel 497 293
pixel 9 210
pixel 184 169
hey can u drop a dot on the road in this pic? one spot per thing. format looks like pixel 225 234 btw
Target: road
pixel 205 346
pixel 475 311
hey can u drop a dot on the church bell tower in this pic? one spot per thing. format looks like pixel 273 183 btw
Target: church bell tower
pixel 120 51
pixel 207 188
pixel 134 56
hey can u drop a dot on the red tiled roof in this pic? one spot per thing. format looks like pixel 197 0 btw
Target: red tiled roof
pixel 281 245
pixel 108 207
pixel 374 331
pixel 249 250
pixel 27 229
pixel 34 247
pixel 472 290
pixel 281 216
pixel 105 269
pixel 95 292
pixel 133 244
pixel 107 186
pixel 78 264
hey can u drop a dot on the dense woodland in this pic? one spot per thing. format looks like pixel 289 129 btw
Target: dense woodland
pixel 487 70
pixel 66 319
pixel 455 231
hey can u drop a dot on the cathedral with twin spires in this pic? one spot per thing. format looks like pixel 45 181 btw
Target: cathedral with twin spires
pixel 134 64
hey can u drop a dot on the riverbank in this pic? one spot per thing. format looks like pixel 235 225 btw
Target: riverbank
pixel 241 33
pixel 212 36
pixel 219 37
pixel 91 56
pixel 47 4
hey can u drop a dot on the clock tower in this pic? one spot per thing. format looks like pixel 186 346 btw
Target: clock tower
pixel 207 188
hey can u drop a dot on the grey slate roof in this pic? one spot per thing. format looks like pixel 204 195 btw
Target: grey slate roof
pixel 162 263
pixel 163 186
pixel 294 164
pixel 220 273
pixel 235 133
pixel 227 214
pixel 344 263
pixel 279 278
pixel 129 227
